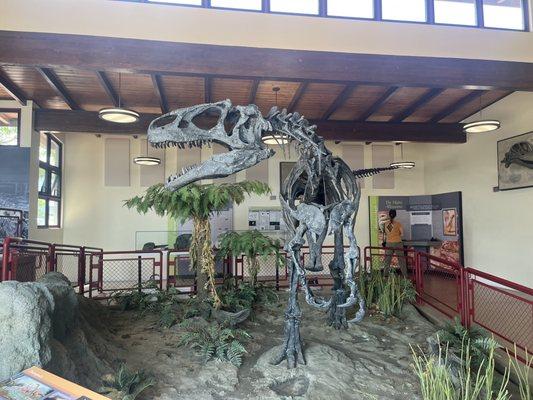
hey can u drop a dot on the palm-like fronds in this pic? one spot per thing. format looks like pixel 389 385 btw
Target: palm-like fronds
pixel 197 202
pixel 214 341
pixel 194 201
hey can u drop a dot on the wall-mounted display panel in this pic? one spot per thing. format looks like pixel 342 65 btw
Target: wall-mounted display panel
pixel 515 162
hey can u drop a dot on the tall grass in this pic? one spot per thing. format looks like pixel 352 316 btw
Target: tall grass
pixel 388 294
pixel 522 372
pixel 438 381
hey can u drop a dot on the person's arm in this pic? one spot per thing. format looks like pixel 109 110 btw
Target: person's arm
pixel 401 230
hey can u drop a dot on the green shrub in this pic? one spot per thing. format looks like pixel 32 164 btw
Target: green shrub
pixel 245 295
pixel 522 372
pixel 168 316
pixel 214 341
pixel 127 385
pixel 252 244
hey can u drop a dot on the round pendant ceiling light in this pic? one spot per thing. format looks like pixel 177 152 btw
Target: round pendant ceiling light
pixel 481 125
pixel 403 164
pixel 119 114
pixel 146 160
pixel 275 138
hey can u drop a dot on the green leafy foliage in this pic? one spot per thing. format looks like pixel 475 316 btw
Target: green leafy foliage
pixel 127 384
pixel 236 298
pixel 522 373
pixel 197 202
pixel 214 341
pixel 252 244
pixel 168 316
pixel 387 294
pixel 437 380
pixel 194 201
pixel 453 335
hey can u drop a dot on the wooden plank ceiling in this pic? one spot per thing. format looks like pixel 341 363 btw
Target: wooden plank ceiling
pixel 363 96
pixel 315 100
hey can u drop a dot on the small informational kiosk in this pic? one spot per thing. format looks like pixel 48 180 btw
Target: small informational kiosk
pixel 431 223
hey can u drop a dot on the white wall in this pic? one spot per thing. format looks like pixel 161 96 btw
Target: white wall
pixel 94 215
pixel 253 29
pixel 498 230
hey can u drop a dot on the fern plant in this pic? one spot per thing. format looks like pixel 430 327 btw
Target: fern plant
pixel 129 384
pixel 197 202
pixel 454 334
pixel 214 341
pixel 252 244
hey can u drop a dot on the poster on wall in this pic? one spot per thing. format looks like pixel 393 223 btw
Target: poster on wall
pixel 449 221
pixel 515 162
pixel 430 223
pixel 14 191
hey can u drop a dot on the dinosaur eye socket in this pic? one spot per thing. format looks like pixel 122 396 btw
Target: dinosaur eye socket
pixel 207 119
pixel 162 121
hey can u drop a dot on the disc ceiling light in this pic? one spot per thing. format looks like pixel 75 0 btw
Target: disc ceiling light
pixel 119 115
pixel 481 125
pixel 275 138
pixel 146 160
pixel 402 164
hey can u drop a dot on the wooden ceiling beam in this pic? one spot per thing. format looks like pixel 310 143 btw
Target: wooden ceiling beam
pixel 456 106
pixel 253 91
pixel 424 99
pixel 160 92
pixel 12 89
pixel 108 88
pixel 378 103
pixel 148 56
pixel 55 83
pixel 339 101
pixel 297 96
pixel 88 122
pixel 208 89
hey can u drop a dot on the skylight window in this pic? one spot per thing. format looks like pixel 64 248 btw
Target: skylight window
pixel 238 4
pixel 351 8
pixel 404 10
pixel 457 12
pixel 187 2
pixel 295 6
pixel 507 14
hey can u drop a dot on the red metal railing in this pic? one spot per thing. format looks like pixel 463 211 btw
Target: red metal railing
pixel 501 307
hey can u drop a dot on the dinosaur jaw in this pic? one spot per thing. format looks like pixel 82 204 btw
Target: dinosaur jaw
pixel 238 129
pixel 218 166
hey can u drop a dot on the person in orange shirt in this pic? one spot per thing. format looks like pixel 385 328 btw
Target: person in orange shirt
pixel 393 233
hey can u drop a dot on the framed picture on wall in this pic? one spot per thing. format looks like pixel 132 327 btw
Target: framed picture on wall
pixel 285 168
pixel 515 162
pixel 449 221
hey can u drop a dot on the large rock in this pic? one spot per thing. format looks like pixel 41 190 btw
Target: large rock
pixel 42 324
pixel 26 326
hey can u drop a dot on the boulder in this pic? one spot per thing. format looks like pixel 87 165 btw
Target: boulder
pixel 42 324
pixel 26 326
pixel 66 310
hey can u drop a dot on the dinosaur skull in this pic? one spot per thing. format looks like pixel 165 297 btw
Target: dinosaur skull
pixel 238 128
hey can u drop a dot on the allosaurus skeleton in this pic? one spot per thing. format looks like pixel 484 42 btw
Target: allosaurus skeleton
pixel 320 197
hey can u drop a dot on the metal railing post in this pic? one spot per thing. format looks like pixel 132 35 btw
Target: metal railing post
pixel 5 260
pixel 139 272
pixel 52 261
pixel 81 270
